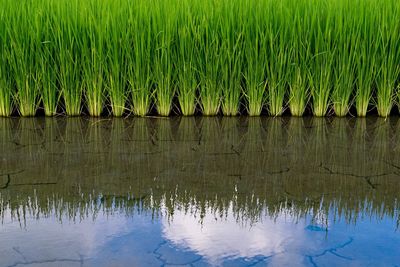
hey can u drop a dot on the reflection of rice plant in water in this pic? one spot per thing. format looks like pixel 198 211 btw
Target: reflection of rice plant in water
pixel 268 178
pixel 108 57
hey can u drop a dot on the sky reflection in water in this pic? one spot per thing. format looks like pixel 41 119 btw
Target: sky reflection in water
pixel 141 240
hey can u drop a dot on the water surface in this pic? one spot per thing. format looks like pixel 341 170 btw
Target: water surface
pixel 199 192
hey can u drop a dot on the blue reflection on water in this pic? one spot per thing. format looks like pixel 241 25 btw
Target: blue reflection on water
pixel 142 240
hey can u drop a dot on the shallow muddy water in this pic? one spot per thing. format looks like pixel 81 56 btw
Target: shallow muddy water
pixel 199 192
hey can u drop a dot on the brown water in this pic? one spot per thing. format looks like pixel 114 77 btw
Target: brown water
pixel 199 191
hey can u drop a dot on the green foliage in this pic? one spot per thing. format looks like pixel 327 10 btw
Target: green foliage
pixel 219 55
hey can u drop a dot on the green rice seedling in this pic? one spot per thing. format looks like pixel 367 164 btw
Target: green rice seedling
pixel 47 59
pixel 6 87
pixel 344 67
pixel 70 79
pixel 49 90
pixel 320 72
pixel 278 54
pixel 93 58
pixel 185 66
pixel 140 58
pixel 48 72
pixel 116 86
pixel 298 84
pixel 320 80
pixel 164 25
pixel 255 59
pixel 115 47
pixel 24 57
pixel 277 73
pixel 298 91
pixel 388 60
pixel 67 29
pixel 232 58
pixel 210 67
pixel 366 58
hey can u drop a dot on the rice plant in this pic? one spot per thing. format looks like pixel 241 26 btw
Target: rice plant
pixel 366 59
pixel 115 57
pixel 92 46
pixel 164 24
pixel 127 55
pixel 69 28
pixel 49 92
pixel 321 63
pixel 139 58
pixel 344 65
pixel 210 68
pixel 24 57
pixel 6 87
pixel 232 59
pixel 186 59
pixel 255 54
pixel 388 60
pixel 299 91
pixel 278 59
pixel 48 73
pixel 343 83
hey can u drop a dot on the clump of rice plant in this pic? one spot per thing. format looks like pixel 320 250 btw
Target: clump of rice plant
pixel 210 68
pixel 278 59
pixel 344 65
pixel 115 57
pixel 6 90
pixel 344 69
pixel 6 87
pixel 320 72
pixel 388 60
pixel 48 72
pixel 185 65
pixel 49 91
pixel 255 54
pixel 232 59
pixel 23 58
pixel 366 65
pixel 164 25
pixel 139 54
pixel 299 92
pixel 68 29
pixel 92 46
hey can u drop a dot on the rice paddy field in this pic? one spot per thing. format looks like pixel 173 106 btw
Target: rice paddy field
pixel 209 57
